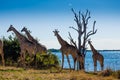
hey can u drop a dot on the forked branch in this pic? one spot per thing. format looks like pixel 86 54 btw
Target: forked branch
pixel 72 41
pixel 92 32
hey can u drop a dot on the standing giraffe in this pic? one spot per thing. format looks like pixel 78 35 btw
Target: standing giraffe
pixel 40 48
pixel 25 44
pixel 96 57
pixel 2 53
pixel 28 35
pixel 66 49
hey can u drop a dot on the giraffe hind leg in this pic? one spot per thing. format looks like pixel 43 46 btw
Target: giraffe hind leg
pixel 95 66
pixel 75 63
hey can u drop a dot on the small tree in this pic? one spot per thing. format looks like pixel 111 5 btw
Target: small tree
pixel 82 20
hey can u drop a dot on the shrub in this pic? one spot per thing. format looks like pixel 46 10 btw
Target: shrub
pixel 12 55
pixel 11 50
pixel 116 74
pixel 106 72
pixel 47 60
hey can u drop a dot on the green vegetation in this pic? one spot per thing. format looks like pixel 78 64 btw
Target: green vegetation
pixel 11 50
pixel 12 56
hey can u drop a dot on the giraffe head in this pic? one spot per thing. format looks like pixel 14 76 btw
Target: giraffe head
pixel 24 29
pixel 56 32
pixel 10 28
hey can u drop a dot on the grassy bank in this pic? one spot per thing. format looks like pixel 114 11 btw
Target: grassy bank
pixel 13 73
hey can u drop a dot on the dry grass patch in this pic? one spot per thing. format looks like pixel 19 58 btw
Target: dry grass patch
pixel 13 73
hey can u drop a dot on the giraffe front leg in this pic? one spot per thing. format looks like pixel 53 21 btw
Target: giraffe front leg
pixel 62 60
pixel 68 61
pixel 3 61
pixel 22 59
pixel 19 60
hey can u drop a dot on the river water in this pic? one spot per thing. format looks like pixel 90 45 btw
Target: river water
pixel 111 60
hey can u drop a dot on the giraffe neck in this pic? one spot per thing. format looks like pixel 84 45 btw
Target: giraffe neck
pixel 92 48
pixel 29 36
pixel 61 41
pixel 19 36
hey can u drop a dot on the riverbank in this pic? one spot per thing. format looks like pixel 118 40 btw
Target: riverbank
pixel 13 73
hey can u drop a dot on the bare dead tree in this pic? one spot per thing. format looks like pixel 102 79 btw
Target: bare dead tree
pixel 72 41
pixel 82 20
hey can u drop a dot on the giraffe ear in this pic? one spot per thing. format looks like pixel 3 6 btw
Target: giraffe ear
pixel 11 25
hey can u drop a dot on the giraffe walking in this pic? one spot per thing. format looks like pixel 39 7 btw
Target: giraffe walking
pixel 40 48
pixel 25 45
pixel 96 57
pixel 2 52
pixel 66 49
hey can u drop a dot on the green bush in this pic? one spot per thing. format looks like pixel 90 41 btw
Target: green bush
pixel 11 50
pixel 12 55
pixel 47 60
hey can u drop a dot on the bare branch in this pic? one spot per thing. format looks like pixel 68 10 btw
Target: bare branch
pixel 73 11
pixel 74 28
pixel 94 25
pixel 88 17
pixel 72 41
pixel 79 16
pixel 76 16
pixel 92 31
pixel 86 14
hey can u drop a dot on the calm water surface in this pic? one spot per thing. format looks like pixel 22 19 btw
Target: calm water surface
pixel 111 60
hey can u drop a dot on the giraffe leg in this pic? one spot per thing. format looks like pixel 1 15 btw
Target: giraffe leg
pixel 102 66
pixel 62 60
pixel 23 60
pixel 68 61
pixel 2 56
pixel 3 61
pixel 95 66
pixel 74 63
pixel 35 61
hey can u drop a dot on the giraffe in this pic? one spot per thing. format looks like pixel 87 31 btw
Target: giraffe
pixel 25 44
pixel 66 49
pixel 2 52
pixel 40 48
pixel 96 57
pixel 28 35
